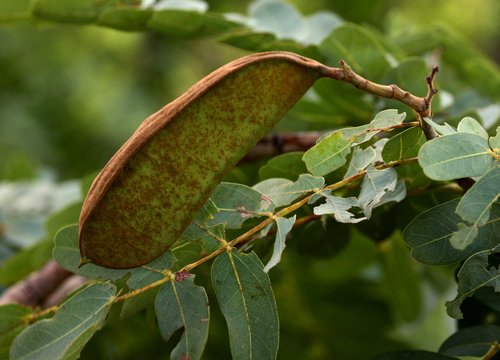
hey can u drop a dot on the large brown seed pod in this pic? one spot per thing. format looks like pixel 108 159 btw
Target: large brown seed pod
pixel 152 188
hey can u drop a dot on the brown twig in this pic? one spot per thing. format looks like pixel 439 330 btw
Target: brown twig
pixel 422 106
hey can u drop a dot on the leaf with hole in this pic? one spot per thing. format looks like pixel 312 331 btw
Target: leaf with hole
pixel 474 274
pixel 182 304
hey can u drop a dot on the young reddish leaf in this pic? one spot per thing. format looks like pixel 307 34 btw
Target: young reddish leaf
pixel 152 188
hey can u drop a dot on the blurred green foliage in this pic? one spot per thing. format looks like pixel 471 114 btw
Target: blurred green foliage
pixel 71 95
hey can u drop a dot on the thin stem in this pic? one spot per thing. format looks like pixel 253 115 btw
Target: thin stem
pixel 422 106
pixel 389 128
pixel 492 351
pixel 494 154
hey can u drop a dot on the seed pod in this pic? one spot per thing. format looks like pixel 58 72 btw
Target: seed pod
pixel 152 188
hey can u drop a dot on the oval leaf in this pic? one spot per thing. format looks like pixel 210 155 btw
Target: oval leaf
pixel 429 235
pixel 75 322
pixel 155 184
pixel 247 302
pixel 473 341
pixel 455 156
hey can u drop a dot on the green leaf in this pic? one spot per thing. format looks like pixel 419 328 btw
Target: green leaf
pixel 495 141
pixel 237 203
pixel 401 277
pixel 289 166
pixel 441 129
pixel 361 159
pixel 375 185
pixel 475 273
pixel 284 192
pixel 191 24
pixel 13 319
pixel 455 156
pixel 429 235
pixel 464 236
pixel 210 236
pixel 475 205
pixel 284 226
pixel 64 336
pixel 397 146
pixel 82 12
pixel 67 254
pixel 413 355
pixel 328 155
pixel 397 195
pixel 246 299
pixel 125 18
pixel 360 49
pixel 473 341
pixel 339 207
pixel 14 10
pixel 182 304
pixel 139 302
pixel 472 126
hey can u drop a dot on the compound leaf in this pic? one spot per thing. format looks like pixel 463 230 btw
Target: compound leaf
pixel 246 299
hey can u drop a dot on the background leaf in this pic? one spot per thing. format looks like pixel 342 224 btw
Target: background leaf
pixel 12 322
pixel 473 341
pixel 246 299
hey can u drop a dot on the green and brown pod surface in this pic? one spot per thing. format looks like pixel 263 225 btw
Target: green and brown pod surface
pixel 152 188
